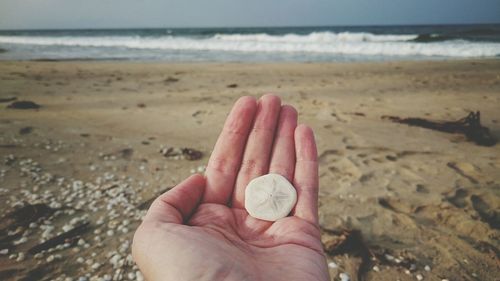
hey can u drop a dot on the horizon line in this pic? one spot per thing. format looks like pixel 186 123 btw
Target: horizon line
pixel 244 27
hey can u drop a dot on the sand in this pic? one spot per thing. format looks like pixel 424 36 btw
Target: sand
pixel 426 203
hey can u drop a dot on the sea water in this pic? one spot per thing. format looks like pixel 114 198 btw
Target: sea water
pixel 360 43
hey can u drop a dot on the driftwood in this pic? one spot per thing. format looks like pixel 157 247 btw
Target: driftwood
pixel 61 238
pixel 24 104
pixel 350 242
pixel 470 126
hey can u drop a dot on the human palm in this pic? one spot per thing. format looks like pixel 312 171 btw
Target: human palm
pixel 200 229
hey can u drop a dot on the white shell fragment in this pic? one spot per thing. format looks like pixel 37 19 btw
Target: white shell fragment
pixel 270 197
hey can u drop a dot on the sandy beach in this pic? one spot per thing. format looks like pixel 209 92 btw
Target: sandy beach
pixel 78 173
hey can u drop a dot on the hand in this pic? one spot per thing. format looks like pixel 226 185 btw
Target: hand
pixel 200 230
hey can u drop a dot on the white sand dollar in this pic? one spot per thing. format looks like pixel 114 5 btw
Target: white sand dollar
pixel 270 197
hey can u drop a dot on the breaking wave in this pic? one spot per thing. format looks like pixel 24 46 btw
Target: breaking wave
pixel 342 43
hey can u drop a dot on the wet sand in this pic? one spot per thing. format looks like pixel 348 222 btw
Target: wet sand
pixel 426 203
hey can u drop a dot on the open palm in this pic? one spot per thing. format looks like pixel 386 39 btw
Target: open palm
pixel 200 229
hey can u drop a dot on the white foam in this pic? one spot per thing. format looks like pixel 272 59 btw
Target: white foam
pixel 318 42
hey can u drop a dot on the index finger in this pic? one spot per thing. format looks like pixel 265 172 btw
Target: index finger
pixel 226 157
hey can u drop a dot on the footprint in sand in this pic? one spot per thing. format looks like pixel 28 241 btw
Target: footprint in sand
pixel 466 170
pixel 458 199
pixel 345 171
pixel 488 214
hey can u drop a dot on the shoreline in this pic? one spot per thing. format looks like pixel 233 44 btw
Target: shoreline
pixel 391 60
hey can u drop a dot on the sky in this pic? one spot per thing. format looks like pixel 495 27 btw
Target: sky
pixel 69 14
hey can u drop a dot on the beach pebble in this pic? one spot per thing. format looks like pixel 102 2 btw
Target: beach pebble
pixel 20 257
pixel 376 268
pixel 427 268
pixel 419 277
pixel 270 197
pixel 20 241
pixel 4 251
pixel 332 265
pixel 96 266
pixel 139 276
pixel 344 277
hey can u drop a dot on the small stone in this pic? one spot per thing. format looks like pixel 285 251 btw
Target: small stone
pixel 427 268
pixel 50 258
pixel 20 257
pixel 139 276
pixel 96 266
pixel 332 265
pixel 344 276
pixel 4 251
pixel 389 257
pixel 67 227
pixel 420 277
pixel 376 269
pixel 20 241
pixel 80 260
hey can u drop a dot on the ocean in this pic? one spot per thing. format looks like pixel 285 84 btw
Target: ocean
pixel 263 44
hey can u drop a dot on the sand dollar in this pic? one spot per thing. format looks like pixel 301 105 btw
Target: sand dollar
pixel 270 197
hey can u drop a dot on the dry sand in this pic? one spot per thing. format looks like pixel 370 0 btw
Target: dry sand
pixel 426 203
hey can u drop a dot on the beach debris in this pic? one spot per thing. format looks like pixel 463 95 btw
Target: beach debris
pixel 23 216
pixel 198 112
pixel 65 237
pixel 352 243
pixel 333 265
pixel 466 170
pixel 2 100
pixel 24 105
pixel 170 80
pixel 141 105
pixel 25 130
pixel 181 153
pixel 232 85
pixel 126 153
pixel 487 213
pixel 344 276
pixel 470 126
pixel 270 197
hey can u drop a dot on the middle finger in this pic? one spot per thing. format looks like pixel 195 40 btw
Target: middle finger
pixel 258 148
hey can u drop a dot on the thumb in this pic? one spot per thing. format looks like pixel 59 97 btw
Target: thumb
pixel 178 204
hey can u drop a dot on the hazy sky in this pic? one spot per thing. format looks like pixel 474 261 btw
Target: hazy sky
pixel 34 14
